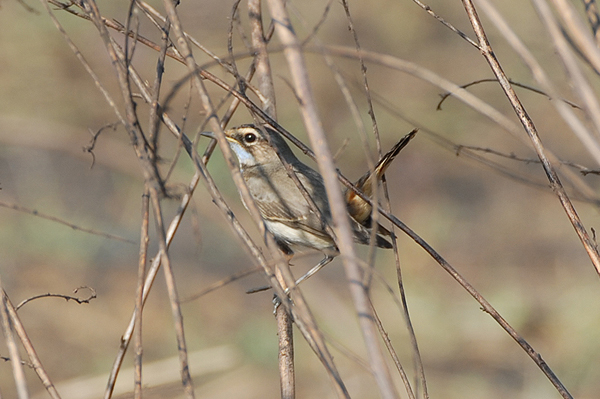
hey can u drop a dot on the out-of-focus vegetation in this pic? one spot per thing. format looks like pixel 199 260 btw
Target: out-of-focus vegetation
pixel 510 239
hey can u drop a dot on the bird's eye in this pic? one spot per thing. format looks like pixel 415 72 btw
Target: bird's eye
pixel 250 137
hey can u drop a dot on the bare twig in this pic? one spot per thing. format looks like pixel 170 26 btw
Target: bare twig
pixel 34 212
pixel 186 378
pixel 362 130
pixel 150 276
pixel 319 24
pixel 304 319
pixel 147 159
pixel 469 99
pixel 301 313
pixel 221 283
pixel 263 66
pixel 532 132
pixel 295 59
pixel 582 40
pixel 90 148
pixel 33 357
pixel 512 82
pixel 287 377
pixel 580 83
pixel 579 128
pixel 139 299
pixel 388 344
pixel 550 172
pixel 13 350
pixel 460 148
pixel 154 116
pixel 447 24
pixel 68 298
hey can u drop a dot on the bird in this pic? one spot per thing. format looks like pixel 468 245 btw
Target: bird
pixel 261 153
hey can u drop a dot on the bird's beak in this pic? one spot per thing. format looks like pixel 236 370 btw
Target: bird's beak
pixel 213 136
pixel 209 134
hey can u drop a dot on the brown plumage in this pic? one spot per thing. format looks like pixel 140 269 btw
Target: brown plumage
pixel 360 209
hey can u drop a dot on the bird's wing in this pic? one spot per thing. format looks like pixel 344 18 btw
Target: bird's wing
pixel 286 204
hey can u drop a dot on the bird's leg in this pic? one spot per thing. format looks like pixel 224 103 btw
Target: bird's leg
pixel 276 301
pixel 287 254
pixel 319 266
pixel 327 259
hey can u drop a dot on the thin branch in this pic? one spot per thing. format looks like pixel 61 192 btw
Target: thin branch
pixel 34 212
pixel 460 148
pixel 90 148
pixel 186 378
pixel 221 283
pixel 68 298
pixel 363 135
pixel 388 344
pixel 442 141
pixel 512 82
pixel 150 277
pixel 154 116
pixel 81 58
pixel 33 356
pixel 550 172
pixel 583 41
pixel 319 24
pixel 131 122
pixel 468 98
pixel 115 25
pixel 139 298
pixel 579 128
pixel 447 24
pixel 580 83
pixel 287 377
pixel 13 350
pixel 296 64
pixel 263 65
pixel 300 311
pixel 532 131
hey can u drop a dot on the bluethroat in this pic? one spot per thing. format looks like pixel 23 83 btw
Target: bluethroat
pixel 283 207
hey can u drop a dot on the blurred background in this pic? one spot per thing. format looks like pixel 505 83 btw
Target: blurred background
pixel 508 237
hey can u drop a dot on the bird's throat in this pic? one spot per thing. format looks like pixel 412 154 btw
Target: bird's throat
pixel 244 156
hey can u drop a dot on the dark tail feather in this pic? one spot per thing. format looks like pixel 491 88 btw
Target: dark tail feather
pixel 385 160
pixel 383 243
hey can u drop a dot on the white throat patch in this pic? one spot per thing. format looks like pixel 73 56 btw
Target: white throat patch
pixel 243 155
